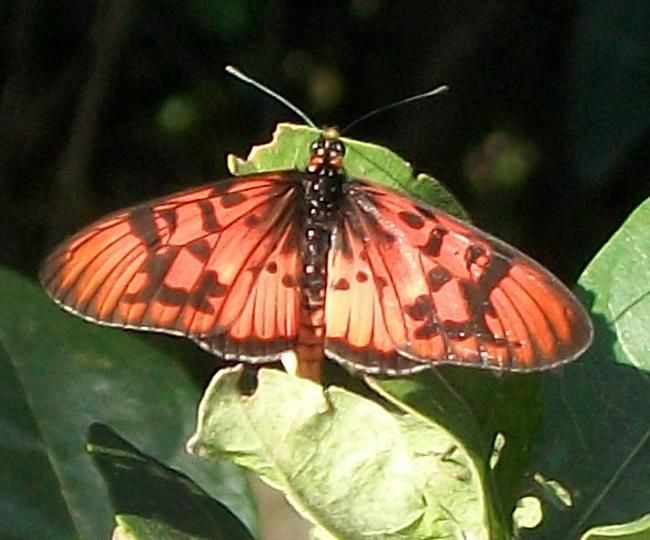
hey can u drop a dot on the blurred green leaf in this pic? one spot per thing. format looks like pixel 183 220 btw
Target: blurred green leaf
pixel 158 501
pixel 222 19
pixel 596 440
pixel 177 115
pixel 290 149
pixel 345 463
pixel 608 87
pixel 503 161
pixel 58 375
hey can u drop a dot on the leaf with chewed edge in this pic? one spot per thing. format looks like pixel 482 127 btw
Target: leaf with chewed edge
pixel 347 464
pixel 290 149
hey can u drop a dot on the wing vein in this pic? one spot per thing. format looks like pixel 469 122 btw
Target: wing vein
pixel 282 219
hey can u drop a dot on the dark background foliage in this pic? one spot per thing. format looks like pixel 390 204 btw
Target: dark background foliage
pixel 544 135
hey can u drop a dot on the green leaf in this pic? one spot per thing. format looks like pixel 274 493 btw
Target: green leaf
pixel 635 530
pixel 290 149
pixel 139 528
pixel 58 375
pixel 596 440
pixel 345 463
pixel 162 502
pixel 619 277
pixel 479 408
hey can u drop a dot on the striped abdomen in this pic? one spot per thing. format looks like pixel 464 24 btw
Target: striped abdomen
pixel 323 190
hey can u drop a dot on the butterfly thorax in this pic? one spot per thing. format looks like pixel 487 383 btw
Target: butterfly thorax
pixel 323 192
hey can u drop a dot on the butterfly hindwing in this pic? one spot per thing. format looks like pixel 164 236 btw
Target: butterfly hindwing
pixel 219 264
pixel 409 285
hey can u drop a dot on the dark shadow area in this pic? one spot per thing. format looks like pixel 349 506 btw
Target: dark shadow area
pixel 103 105
pixel 141 486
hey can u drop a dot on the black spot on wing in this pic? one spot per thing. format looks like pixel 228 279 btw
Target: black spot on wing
pixel 171 296
pixel 361 276
pixel 427 330
pixel 208 217
pixel 143 225
pixel 155 267
pixel 208 287
pixel 456 329
pixel 198 298
pixel 432 247
pixel 289 281
pixel 477 294
pixel 341 285
pixel 252 220
pixel 437 277
pixel 420 309
pixel 168 215
pixel 381 282
pixel 200 249
pixel 411 220
pixel 232 199
pixel 473 254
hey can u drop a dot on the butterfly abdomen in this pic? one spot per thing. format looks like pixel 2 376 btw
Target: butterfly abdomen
pixel 323 191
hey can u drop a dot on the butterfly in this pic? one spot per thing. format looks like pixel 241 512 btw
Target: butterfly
pixel 314 264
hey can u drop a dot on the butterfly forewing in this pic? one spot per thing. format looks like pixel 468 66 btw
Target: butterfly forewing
pixel 409 285
pixel 218 264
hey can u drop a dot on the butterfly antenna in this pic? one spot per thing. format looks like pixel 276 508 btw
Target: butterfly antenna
pixel 245 78
pixel 417 97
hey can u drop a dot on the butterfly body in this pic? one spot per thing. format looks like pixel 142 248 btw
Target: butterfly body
pixel 316 264
pixel 323 191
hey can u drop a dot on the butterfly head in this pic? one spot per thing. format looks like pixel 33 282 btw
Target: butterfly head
pixel 327 153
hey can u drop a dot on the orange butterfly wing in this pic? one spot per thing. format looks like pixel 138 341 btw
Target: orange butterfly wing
pixel 219 264
pixel 409 285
